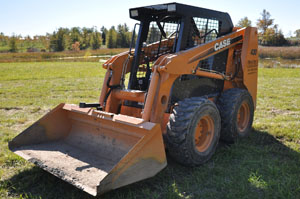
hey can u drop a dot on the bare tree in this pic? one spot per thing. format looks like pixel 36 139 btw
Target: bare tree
pixel 265 21
pixel 297 32
pixel 244 22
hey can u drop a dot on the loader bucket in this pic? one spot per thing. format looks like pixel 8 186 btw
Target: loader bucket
pixel 93 150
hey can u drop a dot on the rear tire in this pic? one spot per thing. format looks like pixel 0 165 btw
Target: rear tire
pixel 237 110
pixel 193 131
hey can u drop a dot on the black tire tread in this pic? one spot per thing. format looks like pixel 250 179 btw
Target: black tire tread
pixel 178 128
pixel 227 105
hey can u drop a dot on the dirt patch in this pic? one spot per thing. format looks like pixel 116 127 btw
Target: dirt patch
pixel 11 110
pixel 275 111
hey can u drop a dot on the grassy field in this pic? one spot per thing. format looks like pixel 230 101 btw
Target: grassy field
pixel 266 165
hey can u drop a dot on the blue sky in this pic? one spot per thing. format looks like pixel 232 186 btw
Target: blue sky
pixel 36 17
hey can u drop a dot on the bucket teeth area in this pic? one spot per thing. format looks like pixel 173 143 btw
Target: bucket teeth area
pixel 70 163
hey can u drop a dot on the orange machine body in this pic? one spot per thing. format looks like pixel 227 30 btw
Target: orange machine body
pixel 168 68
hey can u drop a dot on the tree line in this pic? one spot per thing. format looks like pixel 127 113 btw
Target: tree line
pixel 269 33
pixel 74 39
pixel 77 38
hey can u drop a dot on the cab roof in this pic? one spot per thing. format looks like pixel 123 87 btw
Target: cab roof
pixel 151 13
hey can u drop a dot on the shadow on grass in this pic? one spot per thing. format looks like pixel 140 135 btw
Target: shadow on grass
pixel 257 167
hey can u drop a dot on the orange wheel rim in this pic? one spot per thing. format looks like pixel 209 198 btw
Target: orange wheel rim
pixel 204 133
pixel 243 117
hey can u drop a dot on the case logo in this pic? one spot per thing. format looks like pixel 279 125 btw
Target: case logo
pixel 222 44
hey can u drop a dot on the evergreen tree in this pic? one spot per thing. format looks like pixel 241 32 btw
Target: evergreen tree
pixel 103 33
pixel 111 38
pixel 58 40
pixel 75 34
pixel 122 39
pixel 13 44
pixel 4 40
pixel 96 40
pixel 85 38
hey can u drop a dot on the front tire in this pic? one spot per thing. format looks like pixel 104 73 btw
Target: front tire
pixel 193 131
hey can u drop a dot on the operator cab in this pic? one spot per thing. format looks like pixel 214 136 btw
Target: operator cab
pixel 170 28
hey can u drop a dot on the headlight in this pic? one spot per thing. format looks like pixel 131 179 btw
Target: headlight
pixel 171 7
pixel 134 13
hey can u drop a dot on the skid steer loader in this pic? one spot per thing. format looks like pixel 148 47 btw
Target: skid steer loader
pixel 192 79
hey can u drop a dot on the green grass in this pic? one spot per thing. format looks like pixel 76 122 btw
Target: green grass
pixel 266 165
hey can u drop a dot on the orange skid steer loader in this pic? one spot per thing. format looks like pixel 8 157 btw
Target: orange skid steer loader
pixel 192 79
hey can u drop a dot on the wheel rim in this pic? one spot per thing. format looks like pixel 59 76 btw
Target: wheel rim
pixel 204 133
pixel 243 117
